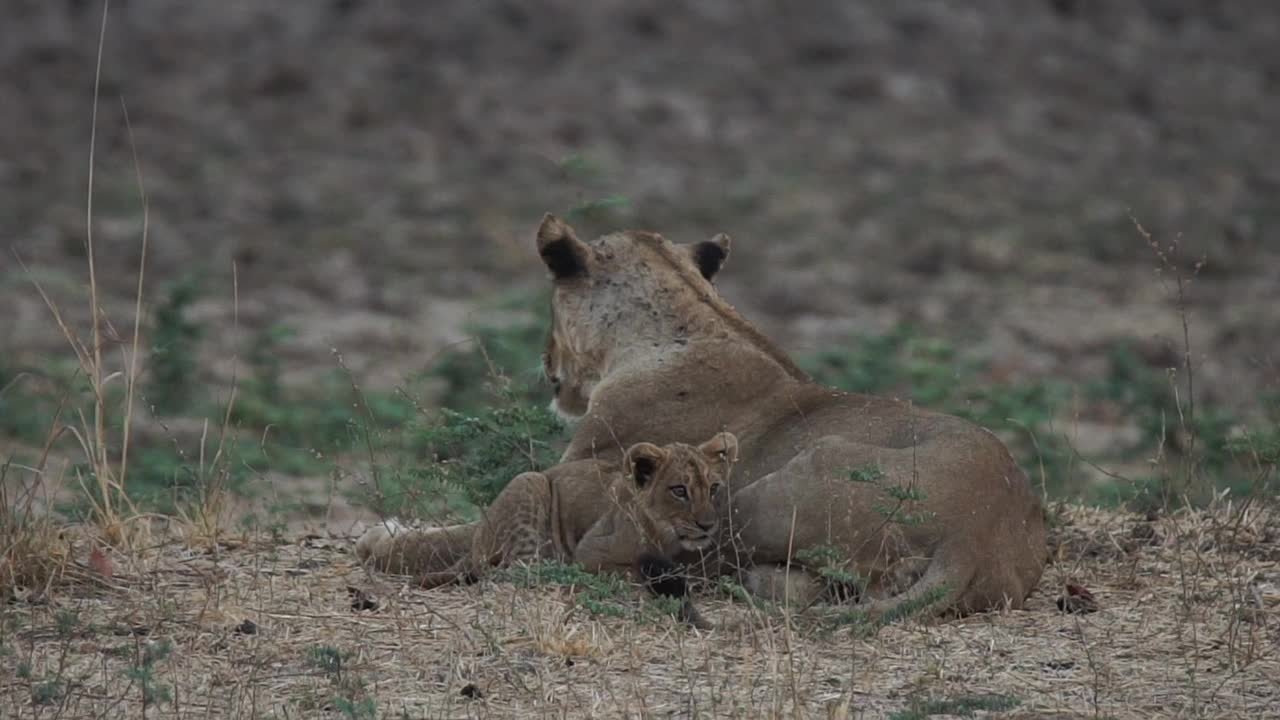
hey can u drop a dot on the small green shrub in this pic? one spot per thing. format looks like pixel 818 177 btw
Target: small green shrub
pixel 47 692
pixel 504 357
pixel 174 348
pixel 831 565
pixel 600 594
pixel 25 412
pixel 143 672
pixel 461 462
pixel 327 659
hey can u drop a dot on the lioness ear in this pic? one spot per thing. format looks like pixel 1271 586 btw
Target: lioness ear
pixel 724 446
pixel 643 459
pixel 562 251
pixel 709 255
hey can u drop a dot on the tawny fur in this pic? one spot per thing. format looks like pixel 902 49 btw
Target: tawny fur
pixel 639 331
pixel 642 347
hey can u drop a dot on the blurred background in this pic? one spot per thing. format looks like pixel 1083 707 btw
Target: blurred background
pixel 933 199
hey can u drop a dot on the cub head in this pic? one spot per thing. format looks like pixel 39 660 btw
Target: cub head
pixel 614 292
pixel 678 489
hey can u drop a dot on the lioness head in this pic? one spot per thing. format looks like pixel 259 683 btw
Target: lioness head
pixel 679 486
pixel 606 294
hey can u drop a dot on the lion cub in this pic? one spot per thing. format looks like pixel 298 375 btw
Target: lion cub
pixel 660 503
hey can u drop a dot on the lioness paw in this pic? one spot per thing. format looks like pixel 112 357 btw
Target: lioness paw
pixel 368 542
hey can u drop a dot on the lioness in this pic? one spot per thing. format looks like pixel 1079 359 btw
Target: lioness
pixel 661 501
pixel 923 506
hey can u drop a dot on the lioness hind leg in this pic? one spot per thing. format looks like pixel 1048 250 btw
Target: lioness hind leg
pixel 794 586
pixel 941 588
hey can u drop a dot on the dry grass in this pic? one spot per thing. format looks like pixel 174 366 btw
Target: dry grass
pixel 1189 625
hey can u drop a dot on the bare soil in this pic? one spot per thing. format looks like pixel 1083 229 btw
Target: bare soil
pixel 1187 624
pixel 374 171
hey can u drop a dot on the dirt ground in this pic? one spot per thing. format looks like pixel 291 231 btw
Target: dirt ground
pixel 375 169
pixel 374 172
pixel 1186 626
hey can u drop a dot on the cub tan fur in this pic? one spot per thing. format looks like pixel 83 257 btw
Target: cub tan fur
pixel 643 347
pixel 588 511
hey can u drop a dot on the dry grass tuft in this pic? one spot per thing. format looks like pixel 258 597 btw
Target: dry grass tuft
pixel 1188 625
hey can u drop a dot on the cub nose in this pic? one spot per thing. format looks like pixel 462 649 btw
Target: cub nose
pixel 707 525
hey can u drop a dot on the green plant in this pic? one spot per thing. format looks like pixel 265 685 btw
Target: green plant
pixel 294 424
pixel 599 594
pixel 868 473
pixel 173 350
pixel 327 659
pixel 66 622
pixel 47 692
pixel 265 360
pixel 831 565
pixel 26 412
pixel 1213 448
pixel 143 672
pixel 361 709
pixel 467 459
pixel 351 699
pixel 865 624
pixel 932 373
pixel 503 357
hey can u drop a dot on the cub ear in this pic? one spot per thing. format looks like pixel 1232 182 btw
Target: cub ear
pixel 723 446
pixel 643 460
pixel 562 251
pixel 709 255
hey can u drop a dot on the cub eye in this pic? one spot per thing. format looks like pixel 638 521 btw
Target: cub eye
pixel 715 489
pixel 680 491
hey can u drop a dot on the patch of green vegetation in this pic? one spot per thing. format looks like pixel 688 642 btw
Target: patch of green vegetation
pixel 734 589
pixel 47 692
pixel 503 357
pixel 494 423
pixel 318 421
pixel 1148 399
pixel 352 698
pixel 327 659
pixel 864 624
pixel 931 373
pixel 481 453
pixel 829 563
pixel 600 594
pixel 962 706
pixel 868 473
pixel 174 340
pixel 142 672
pixel 934 375
pixel 597 209
pixel 1203 448
pixel 25 412
pixel 66 623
